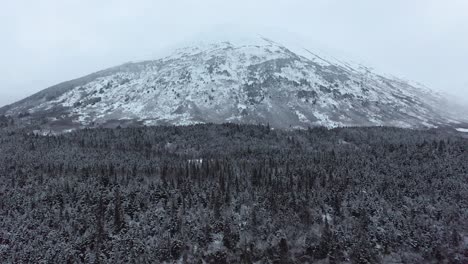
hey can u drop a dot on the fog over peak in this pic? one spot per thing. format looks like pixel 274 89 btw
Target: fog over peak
pixel 47 42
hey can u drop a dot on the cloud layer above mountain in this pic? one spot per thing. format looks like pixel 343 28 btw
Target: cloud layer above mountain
pixel 46 42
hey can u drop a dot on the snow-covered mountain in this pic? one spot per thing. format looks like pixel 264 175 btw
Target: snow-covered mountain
pixel 248 81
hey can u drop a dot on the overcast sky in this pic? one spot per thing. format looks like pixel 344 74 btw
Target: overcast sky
pixel 46 42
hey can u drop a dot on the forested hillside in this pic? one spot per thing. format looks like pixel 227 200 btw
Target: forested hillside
pixel 233 194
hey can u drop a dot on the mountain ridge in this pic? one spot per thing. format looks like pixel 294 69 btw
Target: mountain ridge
pixel 258 81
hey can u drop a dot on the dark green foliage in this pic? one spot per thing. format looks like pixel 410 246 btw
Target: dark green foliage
pixel 233 194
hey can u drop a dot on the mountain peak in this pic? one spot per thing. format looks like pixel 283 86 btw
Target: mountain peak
pixel 241 79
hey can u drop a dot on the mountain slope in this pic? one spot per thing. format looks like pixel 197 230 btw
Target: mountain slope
pixel 256 81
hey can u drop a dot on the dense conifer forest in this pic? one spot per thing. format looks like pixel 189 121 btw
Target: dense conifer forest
pixel 233 194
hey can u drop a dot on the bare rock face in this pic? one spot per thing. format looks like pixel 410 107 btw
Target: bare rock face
pixel 250 82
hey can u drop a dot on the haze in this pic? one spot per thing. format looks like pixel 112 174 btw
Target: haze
pixel 50 41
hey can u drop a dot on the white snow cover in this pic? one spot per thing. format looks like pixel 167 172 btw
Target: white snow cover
pixel 248 79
